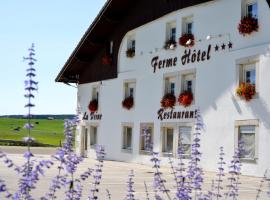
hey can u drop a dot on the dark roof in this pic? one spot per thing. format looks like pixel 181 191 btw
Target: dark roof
pixel 107 22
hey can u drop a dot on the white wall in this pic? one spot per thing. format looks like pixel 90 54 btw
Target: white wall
pixel 216 81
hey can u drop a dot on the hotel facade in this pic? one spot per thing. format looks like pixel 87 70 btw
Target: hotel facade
pixel 148 66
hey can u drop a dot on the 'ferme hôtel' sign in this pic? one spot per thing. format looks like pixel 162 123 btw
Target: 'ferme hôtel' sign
pixel 188 57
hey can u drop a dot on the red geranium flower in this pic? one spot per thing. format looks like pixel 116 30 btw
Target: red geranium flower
pixel 128 102
pixel 93 106
pixel 106 60
pixel 187 40
pixel 168 101
pixel 246 91
pixel 185 98
pixel 248 25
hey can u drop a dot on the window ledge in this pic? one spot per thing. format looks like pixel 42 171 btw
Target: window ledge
pixel 249 160
pixel 126 151
pixel 143 152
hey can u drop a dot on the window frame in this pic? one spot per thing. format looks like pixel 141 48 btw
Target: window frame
pixel 169 27
pixel 237 126
pixel 186 125
pixel 241 65
pixel 167 80
pixel 142 139
pixel 185 22
pixel 124 137
pixel 93 146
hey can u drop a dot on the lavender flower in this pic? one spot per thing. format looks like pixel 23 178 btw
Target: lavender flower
pixel 220 175
pixel 130 190
pixel 259 190
pixel 108 194
pixel 158 181
pixel 97 173
pixel 146 191
pixel 194 170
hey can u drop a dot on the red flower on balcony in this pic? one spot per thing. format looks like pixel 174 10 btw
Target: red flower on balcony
pixel 187 40
pixel 185 98
pixel 128 102
pixel 246 91
pixel 106 60
pixel 248 25
pixel 168 101
pixel 93 105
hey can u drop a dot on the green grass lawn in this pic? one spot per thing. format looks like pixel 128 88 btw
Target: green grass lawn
pixel 46 131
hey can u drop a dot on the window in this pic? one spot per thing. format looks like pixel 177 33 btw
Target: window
pixel 95 93
pixel 247 137
pixel 188 26
pixel 251 8
pixel 131 43
pixel 146 137
pixel 127 138
pixel 248 73
pixel 93 136
pixel 170 85
pixel 167 141
pixel 171 31
pixel 184 140
pixel 129 89
pixel 188 83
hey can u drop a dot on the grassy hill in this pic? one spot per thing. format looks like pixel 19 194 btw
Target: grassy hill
pixel 46 131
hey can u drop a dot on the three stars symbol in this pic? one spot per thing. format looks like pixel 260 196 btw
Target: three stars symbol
pixel 223 46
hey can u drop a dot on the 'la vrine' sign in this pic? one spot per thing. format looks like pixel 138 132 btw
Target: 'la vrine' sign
pixel 92 116
pixel 164 114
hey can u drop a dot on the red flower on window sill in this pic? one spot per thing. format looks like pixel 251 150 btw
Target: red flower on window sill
pixel 128 102
pixel 168 101
pixel 185 98
pixel 106 60
pixel 248 25
pixel 246 91
pixel 93 106
pixel 170 44
pixel 187 40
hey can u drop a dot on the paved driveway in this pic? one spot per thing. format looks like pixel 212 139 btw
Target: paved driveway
pixel 115 176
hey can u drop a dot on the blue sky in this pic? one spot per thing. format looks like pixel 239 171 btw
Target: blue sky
pixel 55 26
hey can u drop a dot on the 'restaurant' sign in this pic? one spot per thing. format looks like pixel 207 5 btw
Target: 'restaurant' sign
pixel 92 116
pixel 164 114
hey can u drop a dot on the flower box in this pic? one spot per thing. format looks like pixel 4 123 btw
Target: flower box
pixel 168 101
pixel 128 102
pixel 170 44
pixel 93 105
pixel 185 98
pixel 246 91
pixel 106 60
pixel 130 53
pixel 248 25
pixel 187 40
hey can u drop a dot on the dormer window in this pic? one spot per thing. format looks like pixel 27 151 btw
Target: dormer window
pixel 188 26
pixel 170 42
pixel 252 9
pixel 131 46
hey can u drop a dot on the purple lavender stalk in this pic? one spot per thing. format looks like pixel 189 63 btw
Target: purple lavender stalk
pixel 108 194
pixel 97 173
pixel 146 191
pixel 220 175
pixel 159 183
pixel 3 189
pixel 259 190
pixel 194 170
pixel 130 190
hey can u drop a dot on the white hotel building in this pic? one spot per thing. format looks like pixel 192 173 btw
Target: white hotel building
pixel 212 69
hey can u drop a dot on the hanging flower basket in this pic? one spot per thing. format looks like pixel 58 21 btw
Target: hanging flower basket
pixel 185 98
pixel 128 102
pixel 93 106
pixel 130 52
pixel 187 40
pixel 248 25
pixel 168 101
pixel 246 91
pixel 106 60
pixel 170 44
